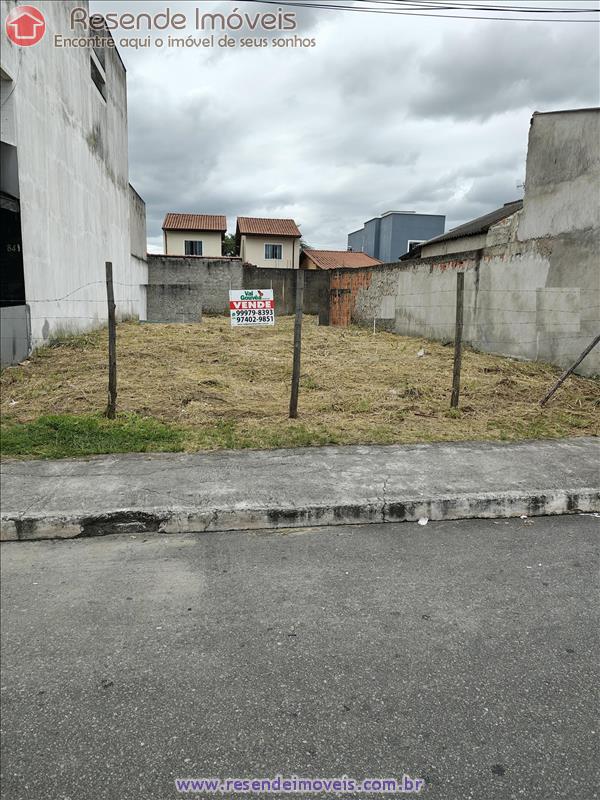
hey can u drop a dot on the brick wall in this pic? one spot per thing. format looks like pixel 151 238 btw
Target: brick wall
pixel 344 288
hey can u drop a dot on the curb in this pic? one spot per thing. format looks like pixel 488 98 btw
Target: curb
pixel 73 525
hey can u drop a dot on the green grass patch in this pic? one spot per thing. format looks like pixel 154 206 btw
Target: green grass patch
pixel 67 435
pixel 229 435
pixel 77 341
pixel 72 436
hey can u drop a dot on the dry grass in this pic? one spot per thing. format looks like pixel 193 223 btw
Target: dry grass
pixel 230 387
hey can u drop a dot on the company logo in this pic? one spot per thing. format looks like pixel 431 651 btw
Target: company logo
pixel 25 25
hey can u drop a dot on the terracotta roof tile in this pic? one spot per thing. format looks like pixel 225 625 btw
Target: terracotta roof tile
pixel 333 259
pixel 267 227
pixel 194 222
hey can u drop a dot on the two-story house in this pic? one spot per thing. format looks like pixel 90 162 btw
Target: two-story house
pixel 194 234
pixel 268 242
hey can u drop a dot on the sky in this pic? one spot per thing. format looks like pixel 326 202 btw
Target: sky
pixel 382 113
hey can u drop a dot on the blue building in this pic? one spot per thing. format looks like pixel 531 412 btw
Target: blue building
pixel 393 234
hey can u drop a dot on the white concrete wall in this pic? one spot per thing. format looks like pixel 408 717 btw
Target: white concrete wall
pixel 138 242
pixel 252 251
pixel 526 307
pixel 73 180
pixel 563 174
pixel 211 242
pixel 516 302
pixel 535 293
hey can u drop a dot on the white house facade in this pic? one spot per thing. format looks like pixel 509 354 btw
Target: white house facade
pixel 267 243
pixel 194 234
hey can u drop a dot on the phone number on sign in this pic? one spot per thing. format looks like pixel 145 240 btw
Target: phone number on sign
pixel 251 316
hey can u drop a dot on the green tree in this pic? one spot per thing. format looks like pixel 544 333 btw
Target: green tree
pixel 229 245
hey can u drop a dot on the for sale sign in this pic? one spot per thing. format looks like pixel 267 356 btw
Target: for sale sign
pixel 252 307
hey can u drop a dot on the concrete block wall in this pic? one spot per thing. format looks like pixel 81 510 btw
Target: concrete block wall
pixel 176 302
pixel 533 290
pixel 139 259
pixel 412 298
pixel 137 226
pixel 218 277
pixel 283 283
pixel 316 293
pixel 540 300
pixel 180 288
pixel 15 334
pixel 515 304
pixel 208 281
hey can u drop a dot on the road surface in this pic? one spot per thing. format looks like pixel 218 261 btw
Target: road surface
pixel 460 653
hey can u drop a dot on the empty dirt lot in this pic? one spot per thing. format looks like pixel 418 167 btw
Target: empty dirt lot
pixel 205 386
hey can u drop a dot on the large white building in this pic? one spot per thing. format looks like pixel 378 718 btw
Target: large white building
pixel 66 203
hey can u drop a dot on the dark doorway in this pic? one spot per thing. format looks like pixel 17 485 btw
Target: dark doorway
pixel 12 279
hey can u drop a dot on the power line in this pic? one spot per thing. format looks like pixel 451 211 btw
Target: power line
pixel 477 5
pixel 437 12
pixel 398 6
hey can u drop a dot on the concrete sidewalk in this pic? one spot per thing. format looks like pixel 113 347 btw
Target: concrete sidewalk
pixel 238 490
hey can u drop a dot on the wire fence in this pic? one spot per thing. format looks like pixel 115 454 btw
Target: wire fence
pixel 561 325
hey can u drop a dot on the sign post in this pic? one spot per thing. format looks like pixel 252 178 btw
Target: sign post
pixel 297 344
pixel 251 307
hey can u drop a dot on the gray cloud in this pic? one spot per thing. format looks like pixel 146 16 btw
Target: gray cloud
pixel 370 119
pixel 508 66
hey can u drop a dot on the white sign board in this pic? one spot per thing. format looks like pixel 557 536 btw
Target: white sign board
pixel 251 307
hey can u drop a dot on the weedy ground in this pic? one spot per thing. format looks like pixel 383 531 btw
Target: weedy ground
pixel 208 386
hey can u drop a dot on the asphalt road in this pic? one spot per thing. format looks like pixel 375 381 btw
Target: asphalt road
pixel 463 653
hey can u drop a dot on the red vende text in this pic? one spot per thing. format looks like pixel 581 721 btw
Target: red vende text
pixel 235 305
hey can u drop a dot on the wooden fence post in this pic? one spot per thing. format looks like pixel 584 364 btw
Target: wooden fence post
pixel 297 343
pixel 567 372
pixel 460 294
pixel 111 408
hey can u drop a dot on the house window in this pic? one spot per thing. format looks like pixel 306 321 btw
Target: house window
pixel 97 76
pixel 273 251
pixel 193 247
pixel 98 29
